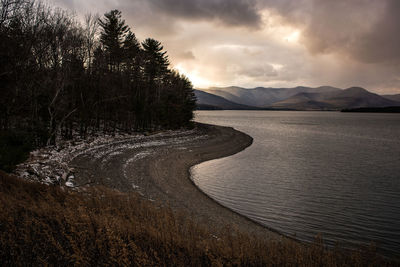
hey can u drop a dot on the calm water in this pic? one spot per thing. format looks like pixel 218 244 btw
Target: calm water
pixel 337 174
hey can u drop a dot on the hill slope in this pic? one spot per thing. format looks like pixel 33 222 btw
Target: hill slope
pixel 304 101
pixel 392 97
pixel 209 101
pixel 356 97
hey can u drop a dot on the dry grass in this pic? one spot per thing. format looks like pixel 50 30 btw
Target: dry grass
pixel 41 225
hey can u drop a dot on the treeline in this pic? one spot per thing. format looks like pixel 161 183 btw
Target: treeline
pixel 60 77
pixel 374 110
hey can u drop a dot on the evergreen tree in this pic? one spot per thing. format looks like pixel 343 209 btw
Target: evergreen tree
pixel 131 47
pixel 112 37
pixel 156 61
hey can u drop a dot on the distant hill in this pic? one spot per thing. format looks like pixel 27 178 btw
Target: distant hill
pixel 392 97
pixel 264 97
pixel 356 97
pixel 208 101
pixel 298 98
pixel 304 101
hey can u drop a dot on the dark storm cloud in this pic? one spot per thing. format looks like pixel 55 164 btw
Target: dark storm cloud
pixel 365 30
pixel 336 42
pixel 227 12
pixel 382 43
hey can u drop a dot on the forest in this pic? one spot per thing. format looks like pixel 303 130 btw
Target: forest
pixel 61 77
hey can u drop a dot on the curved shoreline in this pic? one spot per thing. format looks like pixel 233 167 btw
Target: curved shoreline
pixel 162 173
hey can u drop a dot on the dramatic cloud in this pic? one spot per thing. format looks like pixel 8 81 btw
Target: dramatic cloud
pixel 366 30
pixel 382 43
pixel 231 13
pixel 270 43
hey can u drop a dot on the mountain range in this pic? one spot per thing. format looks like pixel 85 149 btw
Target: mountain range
pixel 297 98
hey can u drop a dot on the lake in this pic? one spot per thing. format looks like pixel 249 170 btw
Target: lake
pixel 308 173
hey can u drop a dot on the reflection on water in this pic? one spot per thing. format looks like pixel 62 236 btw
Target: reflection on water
pixel 306 173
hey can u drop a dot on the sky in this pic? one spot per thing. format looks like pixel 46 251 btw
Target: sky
pixel 269 43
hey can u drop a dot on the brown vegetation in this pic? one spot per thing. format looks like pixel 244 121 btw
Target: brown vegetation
pixel 42 225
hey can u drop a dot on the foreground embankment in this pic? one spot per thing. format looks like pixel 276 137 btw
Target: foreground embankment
pixel 159 166
pixel 153 216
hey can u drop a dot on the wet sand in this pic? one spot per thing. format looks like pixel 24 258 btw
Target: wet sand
pixel 158 167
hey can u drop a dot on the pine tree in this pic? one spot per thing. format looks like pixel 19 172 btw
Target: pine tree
pixel 112 37
pixel 156 61
pixel 155 72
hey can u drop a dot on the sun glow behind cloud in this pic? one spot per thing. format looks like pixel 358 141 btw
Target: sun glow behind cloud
pixel 195 77
pixel 293 37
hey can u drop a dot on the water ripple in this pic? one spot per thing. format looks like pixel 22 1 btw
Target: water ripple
pixel 312 172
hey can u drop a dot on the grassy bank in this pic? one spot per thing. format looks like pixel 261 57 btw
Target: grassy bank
pixel 44 224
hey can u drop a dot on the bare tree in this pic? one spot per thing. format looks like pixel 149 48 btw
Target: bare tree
pixel 90 31
pixel 9 9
